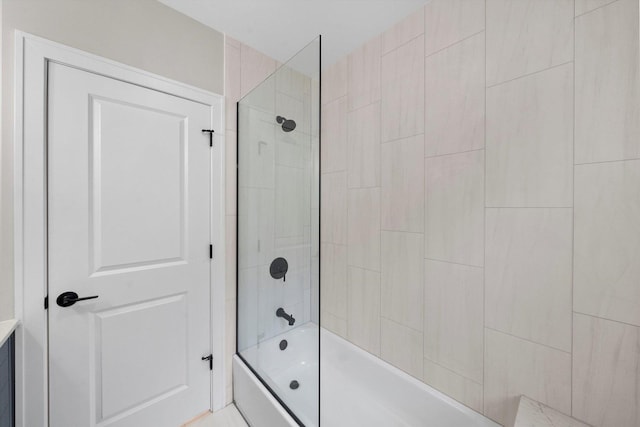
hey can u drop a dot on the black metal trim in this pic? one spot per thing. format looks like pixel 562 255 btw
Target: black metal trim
pixel 273 393
pixel 210 132
pixel 237 213
pixel 319 228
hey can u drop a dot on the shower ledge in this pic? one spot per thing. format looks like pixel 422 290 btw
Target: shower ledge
pixel 535 414
pixel 6 329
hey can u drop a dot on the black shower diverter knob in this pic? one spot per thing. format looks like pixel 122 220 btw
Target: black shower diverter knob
pixel 279 268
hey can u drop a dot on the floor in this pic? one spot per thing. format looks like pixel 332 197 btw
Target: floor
pixel 227 417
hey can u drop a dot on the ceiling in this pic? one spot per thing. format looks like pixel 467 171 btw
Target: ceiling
pixel 280 28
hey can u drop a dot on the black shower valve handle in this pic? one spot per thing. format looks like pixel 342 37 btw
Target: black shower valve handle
pixel 279 268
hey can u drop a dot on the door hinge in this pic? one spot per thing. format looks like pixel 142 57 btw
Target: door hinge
pixel 210 132
pixel 46 302
pixel 210 359
pixel 210 251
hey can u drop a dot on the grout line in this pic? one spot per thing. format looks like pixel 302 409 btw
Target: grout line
pixel 455 43
pixel 527 340
pixel 529 207
pixel 529 74
pixel 593 10
pixel 452 371
pixel 451 262
pixel 404 138
pixel 484 230
pixel 605 161
pixel 458 152
pixel 399 46
pixel 423 304
pixel 404 326
pixel 609 320
pixel 369 104
pixel 401 231
pixel 379 124
pixel 362 268
pixel 573 212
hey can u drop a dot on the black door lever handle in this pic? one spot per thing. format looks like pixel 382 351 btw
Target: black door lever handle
pixel 67 299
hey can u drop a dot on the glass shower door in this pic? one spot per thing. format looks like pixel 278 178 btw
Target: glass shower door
pixel 278 233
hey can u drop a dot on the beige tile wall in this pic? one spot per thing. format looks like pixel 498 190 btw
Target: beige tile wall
pixel 481 161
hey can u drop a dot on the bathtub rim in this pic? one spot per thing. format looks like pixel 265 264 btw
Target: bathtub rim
pixel 282 407
pixel 384 365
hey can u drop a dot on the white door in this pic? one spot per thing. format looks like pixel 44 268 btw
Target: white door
pixel 128 208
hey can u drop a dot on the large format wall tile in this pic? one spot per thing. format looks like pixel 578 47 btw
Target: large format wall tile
pixel 231 184
pixel 364 147
pixel 514 367
pixel 364 74
pixel 256 67
pixel 403 184
pixel 409 28
pixel 607 238
pixel 526 36
pixel 364 228
pixel 453 317
pixel 402 347
pixel 232 70
pixel 333 270
pixel 334 136
pixel 403 91
pixel 453 385
pixel 606 372
pixel 455 94
pixel 334 208
pixel 608 84
pixel 402 278
pixel 333 323
pixel 230 238
pixel 528 274
pixel 449 21
pixel 363 316
pixel 454 224
pixel 334 81
pixel 530 140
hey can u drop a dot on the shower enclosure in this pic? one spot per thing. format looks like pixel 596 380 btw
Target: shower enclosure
pixel 278 246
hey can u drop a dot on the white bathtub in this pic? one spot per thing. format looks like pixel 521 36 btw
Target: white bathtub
pixel 358 389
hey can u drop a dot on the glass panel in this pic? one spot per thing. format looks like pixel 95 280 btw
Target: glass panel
pixel 278 233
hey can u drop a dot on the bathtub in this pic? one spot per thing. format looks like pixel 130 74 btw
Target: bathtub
pixel 358 389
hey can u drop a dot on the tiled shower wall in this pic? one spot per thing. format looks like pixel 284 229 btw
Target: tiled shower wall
pixel 481 203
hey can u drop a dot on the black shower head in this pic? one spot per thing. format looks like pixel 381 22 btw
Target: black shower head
pixel 287 125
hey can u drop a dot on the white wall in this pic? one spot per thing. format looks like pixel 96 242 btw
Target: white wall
pixel 481 191
pixel 141 33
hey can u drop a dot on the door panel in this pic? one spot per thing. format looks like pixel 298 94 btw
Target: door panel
pixel 120 386
pixel 126 136
pixel 128 207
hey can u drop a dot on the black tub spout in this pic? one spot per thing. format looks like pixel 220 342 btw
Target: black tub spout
pixel 289 318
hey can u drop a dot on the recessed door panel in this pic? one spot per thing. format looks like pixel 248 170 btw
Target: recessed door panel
pixel 138 185
pixel 159 368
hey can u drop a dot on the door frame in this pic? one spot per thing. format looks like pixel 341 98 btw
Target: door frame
pixel 32 56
